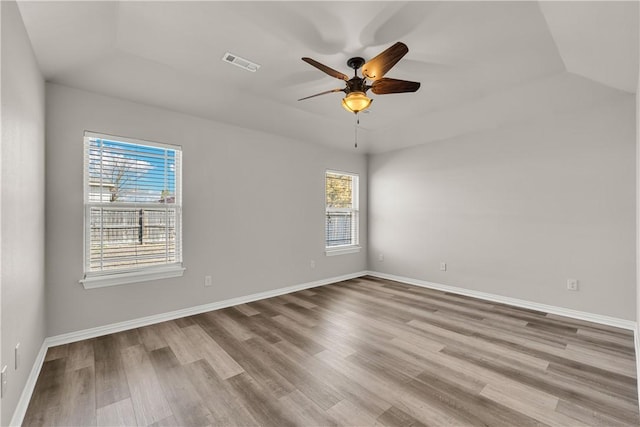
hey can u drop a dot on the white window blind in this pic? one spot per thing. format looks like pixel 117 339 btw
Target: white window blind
pixel 133 206
pixel 341 219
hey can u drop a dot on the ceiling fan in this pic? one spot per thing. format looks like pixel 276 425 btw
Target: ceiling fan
pixel 356 88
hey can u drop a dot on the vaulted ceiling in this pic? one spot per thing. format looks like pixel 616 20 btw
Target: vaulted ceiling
pixel 482 65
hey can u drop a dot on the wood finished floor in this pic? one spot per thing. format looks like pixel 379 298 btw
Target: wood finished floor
pixel 361 352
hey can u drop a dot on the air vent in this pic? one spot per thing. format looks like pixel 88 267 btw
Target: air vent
pixel 240 62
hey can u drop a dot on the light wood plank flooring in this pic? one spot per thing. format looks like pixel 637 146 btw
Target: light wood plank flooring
pixel 361 352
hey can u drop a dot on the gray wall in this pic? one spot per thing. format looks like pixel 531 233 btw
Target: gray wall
pixel 638 233
pixel 22 201
pixel 253 210
pixel 517 211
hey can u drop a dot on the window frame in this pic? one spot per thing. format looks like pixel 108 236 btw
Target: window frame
pixel 354 210
pixel 97 279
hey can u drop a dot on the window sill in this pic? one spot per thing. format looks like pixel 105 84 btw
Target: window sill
pixel 102 281
pixel 341 250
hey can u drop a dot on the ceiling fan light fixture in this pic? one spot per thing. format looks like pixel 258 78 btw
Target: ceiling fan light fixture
pixel 355 102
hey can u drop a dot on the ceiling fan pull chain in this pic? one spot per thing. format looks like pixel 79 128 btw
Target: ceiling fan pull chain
pixel 356 130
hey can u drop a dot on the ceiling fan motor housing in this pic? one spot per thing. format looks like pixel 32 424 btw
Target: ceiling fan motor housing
pixel 356 84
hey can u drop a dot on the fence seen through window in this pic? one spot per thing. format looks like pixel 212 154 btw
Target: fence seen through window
pixel 132 205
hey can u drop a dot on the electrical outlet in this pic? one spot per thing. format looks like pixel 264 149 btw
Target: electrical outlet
pixel 208 281
pixel 443 266
pixel 380 257
pixel 572 284
pixel 17 356
pixel 3 381
pixel 312 264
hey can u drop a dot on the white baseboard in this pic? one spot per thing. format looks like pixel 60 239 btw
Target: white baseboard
pixel 27 391
pixel 23 403
pixel 162 317
pixel 561 311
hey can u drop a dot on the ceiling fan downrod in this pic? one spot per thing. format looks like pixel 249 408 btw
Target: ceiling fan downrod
pixel 356 62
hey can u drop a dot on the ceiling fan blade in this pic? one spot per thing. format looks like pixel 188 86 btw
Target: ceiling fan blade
pixel 324 68
pixel 377 67
pixel 321 93
pixel 385 85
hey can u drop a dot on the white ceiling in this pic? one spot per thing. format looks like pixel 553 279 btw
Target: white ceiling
pixel 481 64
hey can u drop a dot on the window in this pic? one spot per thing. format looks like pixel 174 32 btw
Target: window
pixel 341 222
pixel 132 210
